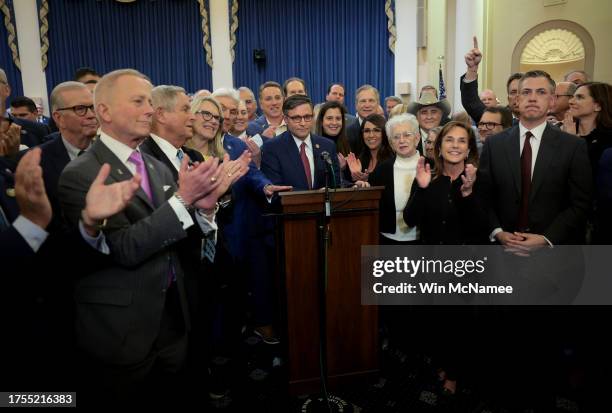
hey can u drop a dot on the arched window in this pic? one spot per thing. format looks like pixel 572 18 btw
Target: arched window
pixel 556 46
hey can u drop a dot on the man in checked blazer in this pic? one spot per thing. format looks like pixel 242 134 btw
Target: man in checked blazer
pixel 132 316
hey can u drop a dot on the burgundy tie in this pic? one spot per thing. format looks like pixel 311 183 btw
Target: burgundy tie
pixel 523 220
pixel 306 164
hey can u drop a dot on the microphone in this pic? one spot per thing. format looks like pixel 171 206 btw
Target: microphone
pixel 325 156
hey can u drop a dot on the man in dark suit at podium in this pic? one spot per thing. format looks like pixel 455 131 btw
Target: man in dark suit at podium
pixel 296 157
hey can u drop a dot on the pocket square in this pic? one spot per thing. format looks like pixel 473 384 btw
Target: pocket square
pixel 166 187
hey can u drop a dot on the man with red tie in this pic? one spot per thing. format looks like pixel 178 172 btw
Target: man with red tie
pixel 295 157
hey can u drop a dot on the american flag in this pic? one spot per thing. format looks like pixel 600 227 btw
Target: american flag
pixel 442 87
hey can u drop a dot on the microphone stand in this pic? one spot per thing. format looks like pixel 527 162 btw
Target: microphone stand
pixel 324 403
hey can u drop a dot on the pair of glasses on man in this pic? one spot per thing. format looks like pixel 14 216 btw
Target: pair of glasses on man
pixel 298 118
pixel 79 110
pixel 206 115
pixel 488 125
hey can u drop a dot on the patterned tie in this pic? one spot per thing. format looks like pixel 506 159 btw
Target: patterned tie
pixel 208 248
pixel 523 219
pixel 306 164
pixel 180 155
pixel 136 159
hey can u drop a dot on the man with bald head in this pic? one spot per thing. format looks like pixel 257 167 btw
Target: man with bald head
pixel 132 316
pixel 564 91
pixel 488 98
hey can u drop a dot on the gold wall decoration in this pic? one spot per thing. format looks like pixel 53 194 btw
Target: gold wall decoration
pixel 11 35
pixel 44 30
pixel 206 33
pixel 553 46
pixel 233 28
pixel 391 25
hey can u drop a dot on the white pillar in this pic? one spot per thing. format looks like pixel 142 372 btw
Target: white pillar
pixel 28 35
pixel 468 23
pixel 406 59
pixel 222 75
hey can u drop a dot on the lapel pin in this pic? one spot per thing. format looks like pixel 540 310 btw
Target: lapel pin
pixel 150 165
pixel 119 171
pixel 317 146
pixel 10 192
pixel 229 147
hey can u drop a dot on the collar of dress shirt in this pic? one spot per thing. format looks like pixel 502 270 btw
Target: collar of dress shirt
pixel 298 142
pixel 537 132
pixel 167 148
pixel 73 151
pixel 120 149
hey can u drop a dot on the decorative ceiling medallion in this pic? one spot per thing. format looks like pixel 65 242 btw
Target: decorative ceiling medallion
pixel 553 46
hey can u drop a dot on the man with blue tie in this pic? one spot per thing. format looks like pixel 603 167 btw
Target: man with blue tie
pixel 295 157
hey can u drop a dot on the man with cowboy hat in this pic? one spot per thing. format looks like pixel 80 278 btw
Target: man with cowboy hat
pixel 430 112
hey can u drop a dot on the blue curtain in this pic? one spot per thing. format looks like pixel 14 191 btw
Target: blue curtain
pixel 162 39
pixel 321 41
pixel 6 57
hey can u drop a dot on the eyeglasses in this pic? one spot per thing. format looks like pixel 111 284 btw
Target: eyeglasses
pixel 298 118
pixel 206 115
pixel 5 124
pixel 373 130
pixel 407 135
pixel 488 125
pixel 79 110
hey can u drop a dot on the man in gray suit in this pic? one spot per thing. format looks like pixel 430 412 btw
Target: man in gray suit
pixel 132 316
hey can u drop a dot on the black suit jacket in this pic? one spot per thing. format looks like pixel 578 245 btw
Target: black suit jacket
pixel 352 134
pixel 470 100
pixel 54 158
pixel 383 176
pixel 561 188
pixel 149 146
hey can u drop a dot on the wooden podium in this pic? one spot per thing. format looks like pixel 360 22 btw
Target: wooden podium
pixel 352 329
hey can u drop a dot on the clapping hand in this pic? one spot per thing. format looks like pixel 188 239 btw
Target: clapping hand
pixel 468 180
pixel 30 190
pixel 423 173
pixel 569 124
pixel 354 165
pixel 226 174
pixel 255 151
pixel 103 201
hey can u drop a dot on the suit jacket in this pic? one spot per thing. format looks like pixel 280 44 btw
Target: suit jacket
pixel 119 308
pixel 248 200
pixel 352 134
pixel 53 160
pixel 561 188
pixel 257 126
pixel 281 162
pixel 470 99
pixel 149 146
pixel 383 176
pixel 12 244
pixel 32 133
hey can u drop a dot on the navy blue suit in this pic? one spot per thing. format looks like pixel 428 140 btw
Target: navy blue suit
pixel 54 158
pixel 32 133
pixel 257 126
pixel 247 194
pixel 281 162
pixel 12 244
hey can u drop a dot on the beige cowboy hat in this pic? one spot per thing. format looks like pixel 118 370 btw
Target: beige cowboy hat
pixel 430 99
